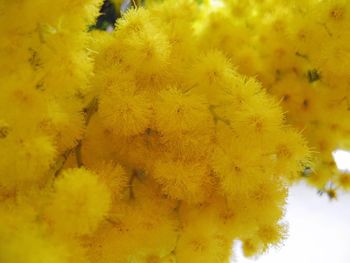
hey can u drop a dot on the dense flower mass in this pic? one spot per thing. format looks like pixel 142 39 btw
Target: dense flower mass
pixel 209 143
pixel 148 144
pixel 300 51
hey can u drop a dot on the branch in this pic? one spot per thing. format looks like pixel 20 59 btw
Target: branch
pixel 135 3
pixel 61 161
pixel 88 111
pixel 216 116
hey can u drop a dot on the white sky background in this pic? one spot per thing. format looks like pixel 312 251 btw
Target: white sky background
pixel 319 229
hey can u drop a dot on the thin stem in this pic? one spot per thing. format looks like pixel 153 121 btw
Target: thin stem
pixel 60 162
pixel 78 154
pixel 88 111
pixel 217 117
pixel 134 3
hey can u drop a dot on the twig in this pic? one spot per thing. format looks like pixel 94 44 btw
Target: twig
pixel 88 111
pixel 78 154
pixel 61 161
pixel 216 116
pixel 134 3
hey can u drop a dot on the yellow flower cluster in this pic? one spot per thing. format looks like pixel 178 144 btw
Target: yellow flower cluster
pixel 206 151
pixel 300 51
pixel 44 71
pixel 159 151
pixel 45 68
